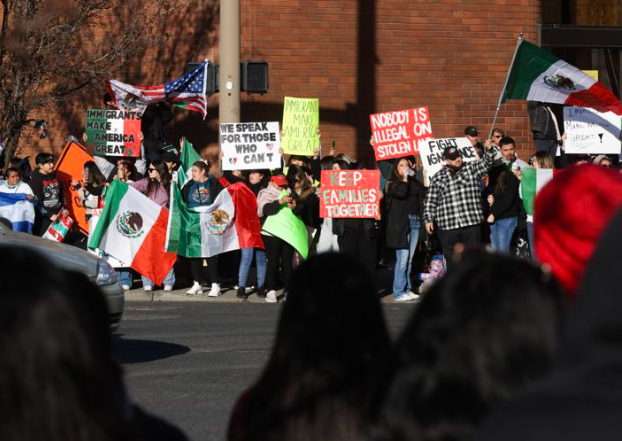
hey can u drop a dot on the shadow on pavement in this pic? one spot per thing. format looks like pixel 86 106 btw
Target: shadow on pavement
pixel 137 351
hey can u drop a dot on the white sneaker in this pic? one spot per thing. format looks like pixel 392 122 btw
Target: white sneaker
pixel 412 295
pixel 125 287
pixel 147 288
pixel 168 287
pixel 215 291
pixel 195 290
pixel 248 288
pixel 271 297
pixel 403 297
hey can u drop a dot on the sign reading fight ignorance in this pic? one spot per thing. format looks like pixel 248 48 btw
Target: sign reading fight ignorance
pixel 301 121
pixel 397 134
pixel 591 132
pixel 247 146
pixel 113 132
pixel 350 193
pixel 431 152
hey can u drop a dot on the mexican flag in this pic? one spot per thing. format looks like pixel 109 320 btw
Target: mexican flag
pixel 532 181
pixel 132 228
pixel 536 75
pixel 228 224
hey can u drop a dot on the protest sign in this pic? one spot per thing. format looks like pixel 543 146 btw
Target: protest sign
pixel 288 227
pixel 113 132
pixel 350 194
pixel 247 146
pixel 301 120
pixel 397 134
pixel 591 132
pixel 70 166
pixel 431 152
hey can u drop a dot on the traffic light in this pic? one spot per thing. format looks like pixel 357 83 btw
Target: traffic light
pixel 254 77
pixel 212 76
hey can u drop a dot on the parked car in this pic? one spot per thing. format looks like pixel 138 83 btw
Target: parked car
pixel 71 258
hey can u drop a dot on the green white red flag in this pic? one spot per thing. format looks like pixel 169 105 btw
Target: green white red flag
pixel 532 181
pixel 132 228
pixel 537 75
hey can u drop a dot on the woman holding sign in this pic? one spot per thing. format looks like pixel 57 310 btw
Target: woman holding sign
pixel 404 211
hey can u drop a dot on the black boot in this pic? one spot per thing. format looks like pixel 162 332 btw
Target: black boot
pixel 241 293
pixel 261 292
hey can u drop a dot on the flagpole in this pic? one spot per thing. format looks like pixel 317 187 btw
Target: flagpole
pixel 505 84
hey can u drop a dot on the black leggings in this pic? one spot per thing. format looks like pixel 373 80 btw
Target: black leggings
pixel 279 253
pixel 358 245
pixel 196 267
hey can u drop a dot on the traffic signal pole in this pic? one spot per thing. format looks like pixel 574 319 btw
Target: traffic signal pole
pixel 229 48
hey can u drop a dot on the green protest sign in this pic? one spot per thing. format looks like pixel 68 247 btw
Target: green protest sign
pixel 113 132
pixel 287 226
pixel 301 121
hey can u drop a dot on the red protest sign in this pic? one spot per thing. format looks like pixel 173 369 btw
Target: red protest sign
pixel 397 134
pixel 350 193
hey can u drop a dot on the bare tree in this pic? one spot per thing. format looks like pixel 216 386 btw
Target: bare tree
pixel 54 51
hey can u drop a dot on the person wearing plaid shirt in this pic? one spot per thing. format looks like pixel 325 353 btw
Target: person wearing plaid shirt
pixel 454 200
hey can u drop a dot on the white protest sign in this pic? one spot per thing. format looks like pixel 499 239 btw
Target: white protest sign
pixel 591 132
pixel 248 146
pixel 431 152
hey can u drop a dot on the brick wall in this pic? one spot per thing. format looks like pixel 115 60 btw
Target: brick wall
pixel 358 57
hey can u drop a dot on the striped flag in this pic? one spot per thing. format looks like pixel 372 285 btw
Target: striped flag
pixel 19 210
pixel 536 75
pixel 132 229
pixel 532 181
pixel 187 91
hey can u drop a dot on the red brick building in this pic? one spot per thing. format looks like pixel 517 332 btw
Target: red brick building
pixel 360 57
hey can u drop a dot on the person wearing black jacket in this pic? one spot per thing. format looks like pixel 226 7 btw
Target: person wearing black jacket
pixel 404 210
pixel 48 191
pixel 504 199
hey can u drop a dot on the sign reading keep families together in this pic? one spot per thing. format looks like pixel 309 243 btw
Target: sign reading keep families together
pixel 350 194
pixel 397 134
pixel 248 146
pixel 113 132
pixel 301 122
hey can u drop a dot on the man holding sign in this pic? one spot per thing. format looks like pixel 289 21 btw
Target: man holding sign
pixel 454 200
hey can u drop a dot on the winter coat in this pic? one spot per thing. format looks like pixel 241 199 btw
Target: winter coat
pixel 398 223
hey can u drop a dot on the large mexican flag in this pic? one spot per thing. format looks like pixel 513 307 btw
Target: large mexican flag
pixel 132 228
pixel 536 75
pixel 228 224
pixel 532 181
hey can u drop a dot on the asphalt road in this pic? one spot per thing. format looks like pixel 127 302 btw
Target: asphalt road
pixel 189 361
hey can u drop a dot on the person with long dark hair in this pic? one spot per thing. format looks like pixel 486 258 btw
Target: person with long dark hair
pixel 330 339
pixel 58 378
pixel 404 209
pixel 202 190
pixel 157 188
pixel 92 189
pixel 481 335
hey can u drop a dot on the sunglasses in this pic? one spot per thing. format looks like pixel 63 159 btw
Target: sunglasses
pixel 152 170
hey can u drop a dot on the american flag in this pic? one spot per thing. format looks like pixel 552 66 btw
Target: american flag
pixel 187 91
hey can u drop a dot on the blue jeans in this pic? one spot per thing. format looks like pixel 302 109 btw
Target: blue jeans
pixel 125 276
pixel 501 234
pixel 404 259
pixel 245 266
pixel 168 280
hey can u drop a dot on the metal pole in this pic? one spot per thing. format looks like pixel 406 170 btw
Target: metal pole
pixel 505 84
pixel 229 105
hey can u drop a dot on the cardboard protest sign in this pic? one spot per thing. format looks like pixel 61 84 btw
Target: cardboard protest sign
pixel 247 146
pixel 350 193
pixel 301 120
pixel 113 132
pixel 397 134
pixel 70 166
pixel 591 132
pixel 431 152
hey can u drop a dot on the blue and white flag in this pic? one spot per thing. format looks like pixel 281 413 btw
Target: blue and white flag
pixel 19 210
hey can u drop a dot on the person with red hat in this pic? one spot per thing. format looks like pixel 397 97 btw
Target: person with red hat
pixel 571 212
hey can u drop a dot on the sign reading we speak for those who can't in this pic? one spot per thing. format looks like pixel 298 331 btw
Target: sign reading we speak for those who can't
pixel 250 145
pixel 397 134
pixel 113 132
pixel 350 194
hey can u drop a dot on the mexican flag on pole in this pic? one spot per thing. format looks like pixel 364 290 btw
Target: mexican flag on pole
pixel 536 75
pixel 132 228
pixel 532 181
pixel 228 224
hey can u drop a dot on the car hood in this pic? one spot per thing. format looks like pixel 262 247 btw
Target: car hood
pixel 65 256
